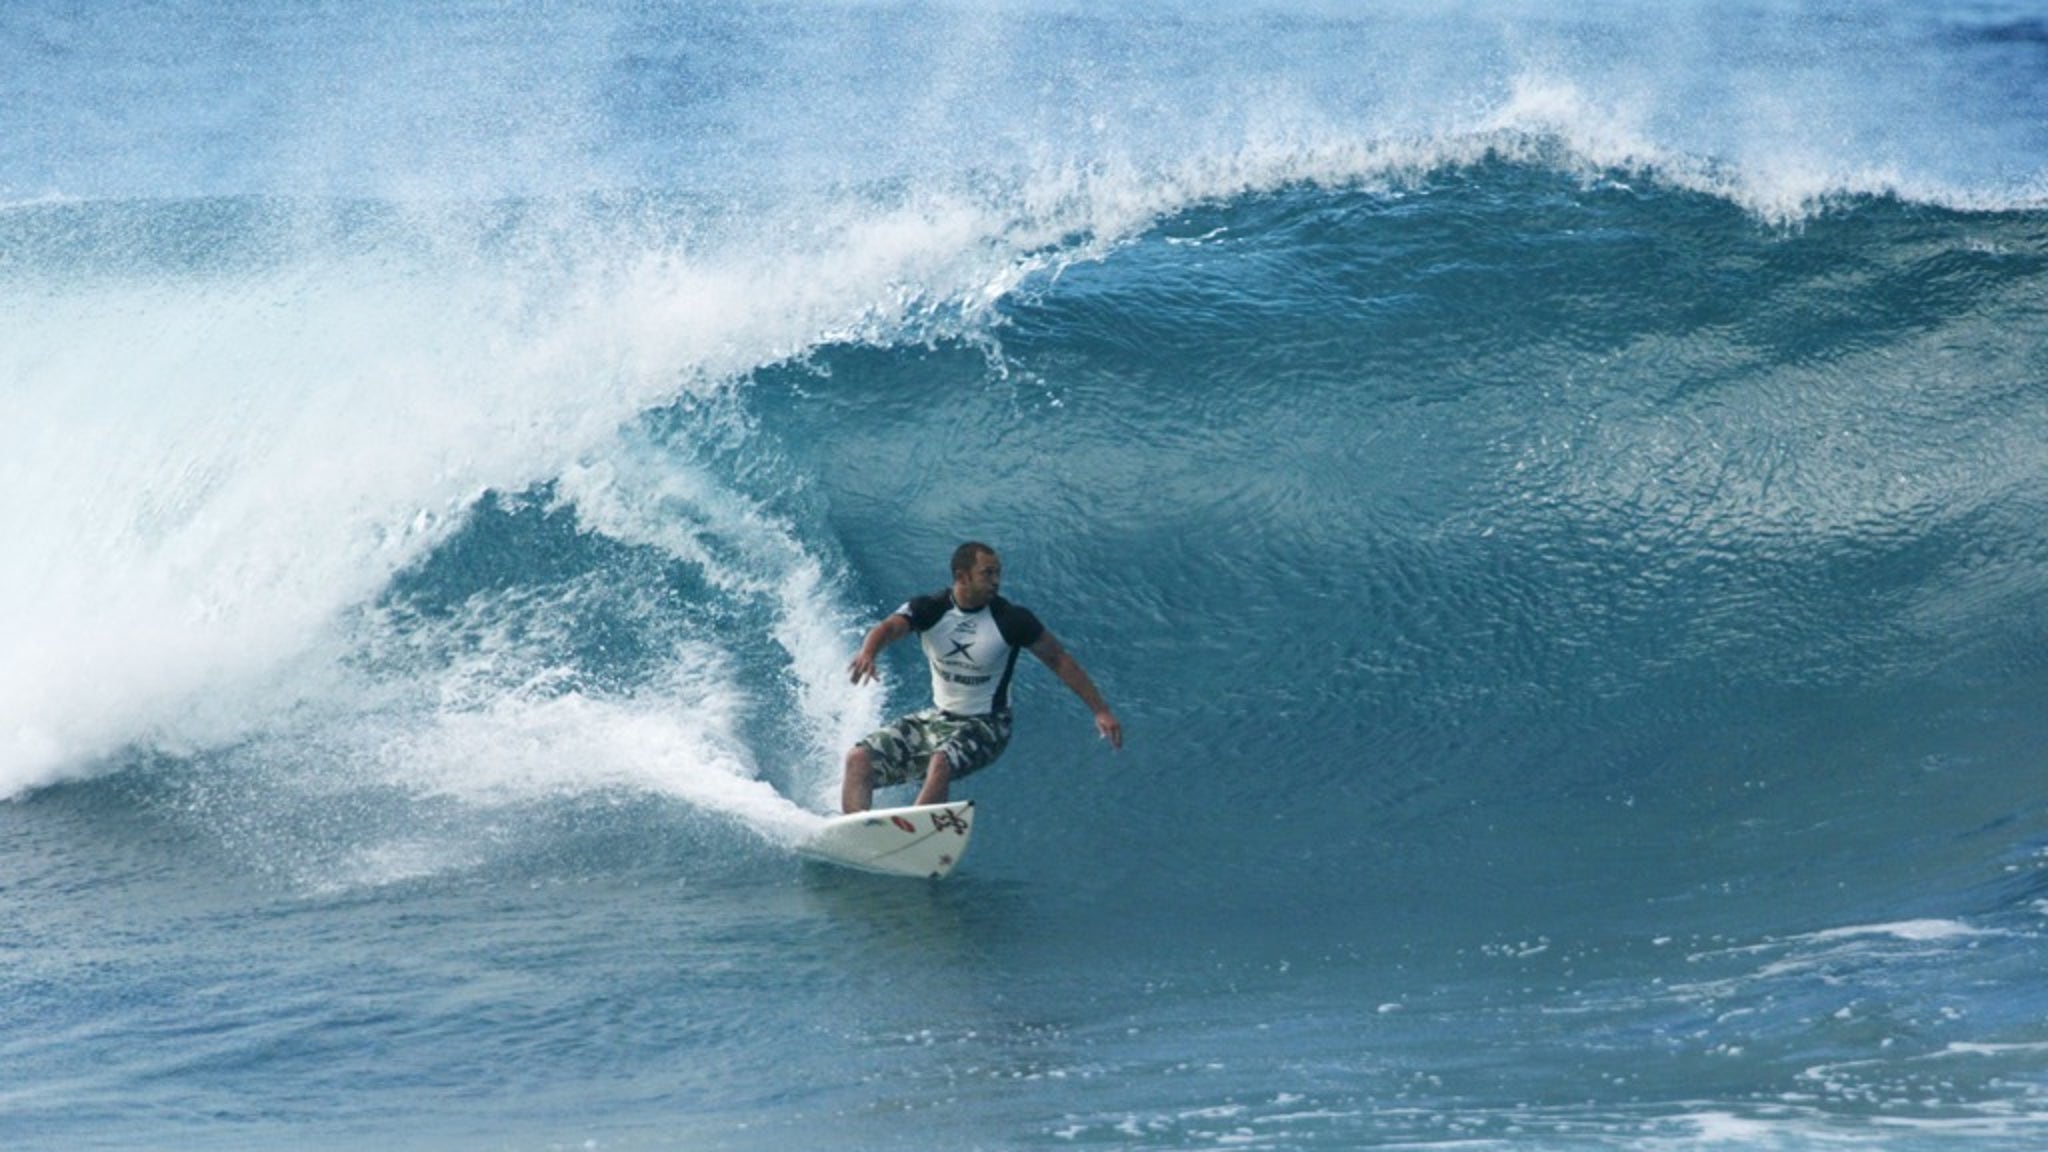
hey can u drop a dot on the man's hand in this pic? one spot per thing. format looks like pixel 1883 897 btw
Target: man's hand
pixel 1106 724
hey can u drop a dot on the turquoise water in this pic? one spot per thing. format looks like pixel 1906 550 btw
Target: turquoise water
pixel 1554 500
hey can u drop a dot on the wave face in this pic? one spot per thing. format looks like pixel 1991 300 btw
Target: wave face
pixel 1554 499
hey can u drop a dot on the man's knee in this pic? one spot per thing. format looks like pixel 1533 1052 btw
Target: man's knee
pixel 858 763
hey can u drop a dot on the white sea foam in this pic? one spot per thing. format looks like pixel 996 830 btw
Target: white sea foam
pixel 207 471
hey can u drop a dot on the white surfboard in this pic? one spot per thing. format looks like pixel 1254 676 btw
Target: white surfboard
pixel 923 840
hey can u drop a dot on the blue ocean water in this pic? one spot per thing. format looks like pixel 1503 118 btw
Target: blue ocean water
pixel 1556 500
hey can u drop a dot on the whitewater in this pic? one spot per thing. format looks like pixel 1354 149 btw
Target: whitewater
pixel 1554 498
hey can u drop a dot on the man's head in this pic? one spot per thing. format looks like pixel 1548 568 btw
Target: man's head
pixel 977 574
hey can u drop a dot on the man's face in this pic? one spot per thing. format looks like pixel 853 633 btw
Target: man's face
pixel 981 581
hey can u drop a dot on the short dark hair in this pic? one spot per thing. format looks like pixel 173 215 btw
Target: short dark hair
pixel 965 555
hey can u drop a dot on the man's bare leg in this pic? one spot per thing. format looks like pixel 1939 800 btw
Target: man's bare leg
pixel 857 789
pixel 937 778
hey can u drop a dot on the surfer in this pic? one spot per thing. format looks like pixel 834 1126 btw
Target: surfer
pixel 971 638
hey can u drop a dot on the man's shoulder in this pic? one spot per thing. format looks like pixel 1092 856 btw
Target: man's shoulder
pixel 924 611
pixel 1018 624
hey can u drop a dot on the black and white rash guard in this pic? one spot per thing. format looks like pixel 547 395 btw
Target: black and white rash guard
pixel 972 653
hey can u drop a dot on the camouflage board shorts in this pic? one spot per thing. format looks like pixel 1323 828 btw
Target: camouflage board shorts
pixel 902 751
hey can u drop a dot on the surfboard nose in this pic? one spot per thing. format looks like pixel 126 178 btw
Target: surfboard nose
pixel 921 840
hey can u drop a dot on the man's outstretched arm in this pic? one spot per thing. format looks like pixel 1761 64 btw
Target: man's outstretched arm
pixel 1055 656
